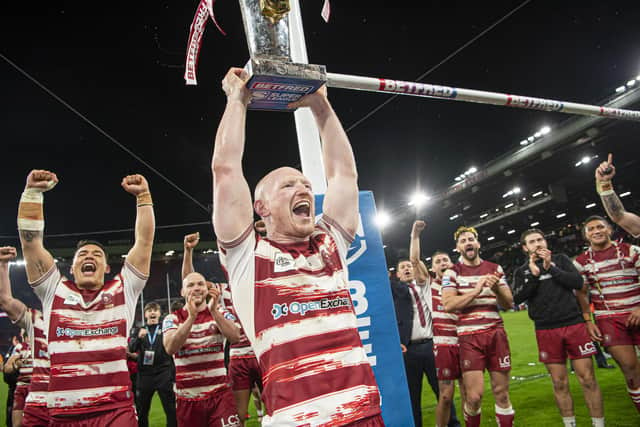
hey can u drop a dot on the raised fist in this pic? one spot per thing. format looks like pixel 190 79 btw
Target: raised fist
pixel 606 171
pixel 260 227
pixel 418 226
pixel 41 180
pixel 191 241
pixel 234 85
pixel 7 253
pixel 135 184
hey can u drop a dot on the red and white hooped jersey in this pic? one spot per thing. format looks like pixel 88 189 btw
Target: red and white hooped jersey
pixel 23 350
pixel 199 363
pixel 241 349
pixel 482 313
pixel 87 337
pixel 613 278
pixel 295 305
pixel 445 324
pixel 33 322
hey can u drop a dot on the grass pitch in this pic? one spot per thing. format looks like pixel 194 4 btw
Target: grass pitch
pixel 530 390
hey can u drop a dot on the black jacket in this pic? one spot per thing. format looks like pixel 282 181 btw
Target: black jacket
pixel 550 296
pixel 404 310
pixel 161 361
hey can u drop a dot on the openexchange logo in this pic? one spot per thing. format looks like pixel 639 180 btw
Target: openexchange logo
pixel 302 308
pixel 68 332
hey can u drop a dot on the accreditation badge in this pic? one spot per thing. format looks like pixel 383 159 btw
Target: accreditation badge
pixel 148 357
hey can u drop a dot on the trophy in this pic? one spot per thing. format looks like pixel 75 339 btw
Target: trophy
pixel 274 80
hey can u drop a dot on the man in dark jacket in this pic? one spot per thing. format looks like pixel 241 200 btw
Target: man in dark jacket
pixel 155 368
pixel 547 282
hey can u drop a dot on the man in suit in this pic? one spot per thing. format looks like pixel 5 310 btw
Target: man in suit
pixel 412 300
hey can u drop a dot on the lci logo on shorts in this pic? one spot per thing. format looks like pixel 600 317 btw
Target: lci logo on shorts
pixel 232 421
pixel 587 348
pixel 543 355
pixel 607 338
pixel 467 363
pixel 504 362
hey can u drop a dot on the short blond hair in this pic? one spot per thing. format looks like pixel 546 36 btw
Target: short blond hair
pixel 464 229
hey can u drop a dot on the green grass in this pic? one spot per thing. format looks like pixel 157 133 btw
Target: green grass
pixel 531 391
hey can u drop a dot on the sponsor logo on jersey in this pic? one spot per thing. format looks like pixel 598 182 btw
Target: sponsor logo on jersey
pixel 302 308
pixel 283 262
pixel 71 333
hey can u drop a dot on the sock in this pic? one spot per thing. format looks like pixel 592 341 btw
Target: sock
pixel 471 417
pixel 569 421
pixel 504 416
pixel 597 422
pixel 635 397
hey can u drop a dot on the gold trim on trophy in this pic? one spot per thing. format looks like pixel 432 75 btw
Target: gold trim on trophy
pixel 274 10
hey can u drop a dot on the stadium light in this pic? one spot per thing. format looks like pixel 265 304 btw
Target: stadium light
pixel 536 194
pixel 484 215
pixel 631 83
pixel 382 219
pixel 590 205
pixel 419 199
pixel 585 159
pixel 490 238
pixel 535 224
pixel 561 215
pixel 454 217
pixel 508 205
pixel 428 259
pixel 524 142
pixel 472 169
pixel 620 89
pixel 516 190
pixel 625 194
pixel 170 253
pixel 208 251
pixel 537 134
pixel 123 256
pixel 545 130
pixel 530 139
pixel 511 231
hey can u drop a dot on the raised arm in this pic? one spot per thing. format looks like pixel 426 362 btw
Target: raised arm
pixel 31 223
pixel 14 308
pixel 140 254
pixel 419 269
pixel 630 222
pixel 232 208
pixel 190 243
pixel 341 199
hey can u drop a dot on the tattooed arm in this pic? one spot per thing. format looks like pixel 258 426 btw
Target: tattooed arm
pixel 610 200
pixel 31 224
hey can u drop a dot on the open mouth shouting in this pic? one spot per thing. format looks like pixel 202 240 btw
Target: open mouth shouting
pixel 302 209
pixel 88 268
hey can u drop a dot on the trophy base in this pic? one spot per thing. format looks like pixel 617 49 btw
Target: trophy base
pixel 276 82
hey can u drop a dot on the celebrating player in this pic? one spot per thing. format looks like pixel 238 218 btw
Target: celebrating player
pixel 194 335
pixel 87 319
pixel 611 273
pixel 304 330
pixel 547 282
pixel 35 371
pixel 475 287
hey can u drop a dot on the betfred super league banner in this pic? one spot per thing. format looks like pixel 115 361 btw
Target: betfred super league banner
pixel 371 295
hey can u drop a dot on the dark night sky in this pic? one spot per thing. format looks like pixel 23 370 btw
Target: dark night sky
pixel 121 65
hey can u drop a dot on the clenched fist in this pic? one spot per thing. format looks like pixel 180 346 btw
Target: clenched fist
pixel 234 85
pixel 7 253
pixel 135 184
pixel 41 180
pixel 191 241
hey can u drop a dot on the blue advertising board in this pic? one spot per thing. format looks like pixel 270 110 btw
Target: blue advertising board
pixel 371 295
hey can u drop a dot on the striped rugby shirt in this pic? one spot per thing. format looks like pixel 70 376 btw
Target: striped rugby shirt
pixel 481 315
pixel 87 332
pixel 295 305
pixel 199 363
pixel 613 278
pixel 33 322
pixel 444 324
pixel 242 349
pixel 24 374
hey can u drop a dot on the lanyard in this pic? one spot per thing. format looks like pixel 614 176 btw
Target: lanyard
pixel 155 334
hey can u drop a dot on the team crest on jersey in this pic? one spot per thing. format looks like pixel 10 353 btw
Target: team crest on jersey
pixel 283 262
pixel 107 299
